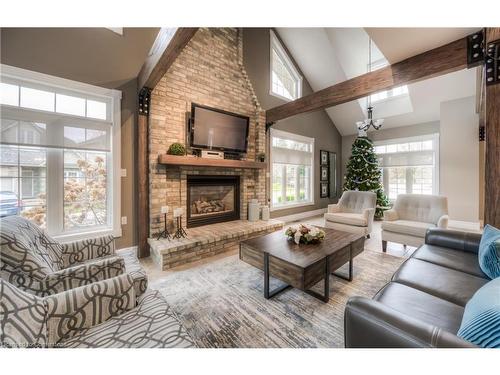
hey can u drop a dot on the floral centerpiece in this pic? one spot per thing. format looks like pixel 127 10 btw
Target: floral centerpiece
pixel 302 233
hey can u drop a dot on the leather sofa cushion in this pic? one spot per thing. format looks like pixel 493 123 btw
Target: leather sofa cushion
pixel 455 259
pixel 446 283
pixel 422 306
pixel 412 228
pixel 347 218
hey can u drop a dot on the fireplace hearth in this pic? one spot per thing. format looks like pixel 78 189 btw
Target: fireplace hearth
pixel 212 199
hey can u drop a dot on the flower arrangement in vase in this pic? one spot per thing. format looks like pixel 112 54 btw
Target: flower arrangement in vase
pixel 303 233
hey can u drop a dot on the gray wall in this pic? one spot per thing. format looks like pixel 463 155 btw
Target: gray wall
pixel 459 158
pixel 99 57
pixel 256 58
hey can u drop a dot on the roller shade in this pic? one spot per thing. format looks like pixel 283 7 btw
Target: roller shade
pixel 406 159
pixel 289 148
pixel 287 156
pixel 20 126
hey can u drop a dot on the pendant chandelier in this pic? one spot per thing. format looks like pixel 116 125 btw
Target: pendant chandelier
pixel 363 126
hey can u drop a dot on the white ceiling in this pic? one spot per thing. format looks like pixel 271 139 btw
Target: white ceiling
pixel 400 43
pixel 330 55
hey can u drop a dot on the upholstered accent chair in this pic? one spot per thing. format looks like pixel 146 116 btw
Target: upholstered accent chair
pixel 353 213
pixel 99 315
pixel 33 261
pixel 411 216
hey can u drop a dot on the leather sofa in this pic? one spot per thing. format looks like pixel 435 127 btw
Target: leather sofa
pixel 411 216
pixel 353 213
pixel 423 304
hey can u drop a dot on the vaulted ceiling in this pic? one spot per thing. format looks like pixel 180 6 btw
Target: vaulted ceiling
pixel 330 55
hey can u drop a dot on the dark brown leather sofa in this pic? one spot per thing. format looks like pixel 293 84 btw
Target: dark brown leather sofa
pixel 424 303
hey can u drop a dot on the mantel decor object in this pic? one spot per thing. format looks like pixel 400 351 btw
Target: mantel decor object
pixel 176 149
pixel 306 234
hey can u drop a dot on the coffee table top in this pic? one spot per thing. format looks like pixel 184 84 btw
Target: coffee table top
pixel 277 245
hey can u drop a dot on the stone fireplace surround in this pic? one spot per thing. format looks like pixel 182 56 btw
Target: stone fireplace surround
pixel 208 71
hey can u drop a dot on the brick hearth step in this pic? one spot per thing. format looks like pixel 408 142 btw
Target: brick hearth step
pixel 207 240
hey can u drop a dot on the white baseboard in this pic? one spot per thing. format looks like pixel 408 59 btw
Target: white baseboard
pixel 464 225
pixel 134 248
pixel 302 215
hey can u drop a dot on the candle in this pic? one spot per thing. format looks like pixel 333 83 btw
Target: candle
pixel 164 209
pixel 178 212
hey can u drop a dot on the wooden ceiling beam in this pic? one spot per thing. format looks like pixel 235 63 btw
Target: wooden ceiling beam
pixel 492 158
pixel 167 46
pixel 442 60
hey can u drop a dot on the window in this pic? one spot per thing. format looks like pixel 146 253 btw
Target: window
pixel 60 153
pixel 286 82
pixel 292 159
pixel 388 94
pixel 409 165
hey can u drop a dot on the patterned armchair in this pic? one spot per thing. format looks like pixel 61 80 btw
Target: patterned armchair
pixel 33 261
pixel 102 314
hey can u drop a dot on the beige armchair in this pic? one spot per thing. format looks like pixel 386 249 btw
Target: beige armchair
pixel 412 214
pixel 353 213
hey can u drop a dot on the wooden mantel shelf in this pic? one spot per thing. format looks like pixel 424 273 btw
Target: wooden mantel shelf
pixel 193 161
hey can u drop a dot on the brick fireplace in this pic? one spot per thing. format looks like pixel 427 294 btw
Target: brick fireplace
pixel 209 71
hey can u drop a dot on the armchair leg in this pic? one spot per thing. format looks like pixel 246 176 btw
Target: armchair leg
pixel 384 246
pixel 368 235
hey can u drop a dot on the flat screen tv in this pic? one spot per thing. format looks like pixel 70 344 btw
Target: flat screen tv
pixel 215 129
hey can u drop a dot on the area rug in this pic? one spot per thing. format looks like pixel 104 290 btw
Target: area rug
pixel 221 304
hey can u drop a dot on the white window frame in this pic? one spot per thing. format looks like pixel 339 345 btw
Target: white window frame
pixel 56 161
pixel 276 45
pixel 299 138
pixel 435 140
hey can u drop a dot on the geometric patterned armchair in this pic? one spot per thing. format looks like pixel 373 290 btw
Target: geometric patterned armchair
pixel 102 314
pixel 31 260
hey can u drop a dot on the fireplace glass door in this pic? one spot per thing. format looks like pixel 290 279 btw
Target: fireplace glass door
pixel 212 199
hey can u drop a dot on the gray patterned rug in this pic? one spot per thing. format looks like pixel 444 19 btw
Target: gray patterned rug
pixel 222 305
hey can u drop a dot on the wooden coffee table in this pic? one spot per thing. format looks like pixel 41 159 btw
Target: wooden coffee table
pixel 302 266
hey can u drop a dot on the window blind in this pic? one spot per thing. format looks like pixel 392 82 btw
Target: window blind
pixel 404 159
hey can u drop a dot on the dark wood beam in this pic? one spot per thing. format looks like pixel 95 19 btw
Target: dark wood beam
pixel 433 63
pixel 167 46
pixel 492 165
pixel 142 187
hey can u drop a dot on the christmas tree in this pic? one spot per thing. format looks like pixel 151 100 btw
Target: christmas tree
pixel 364 174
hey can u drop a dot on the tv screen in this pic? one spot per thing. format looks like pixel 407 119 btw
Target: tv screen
pixel 219 130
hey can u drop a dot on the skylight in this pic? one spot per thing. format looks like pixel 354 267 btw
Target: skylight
pixel 387 94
